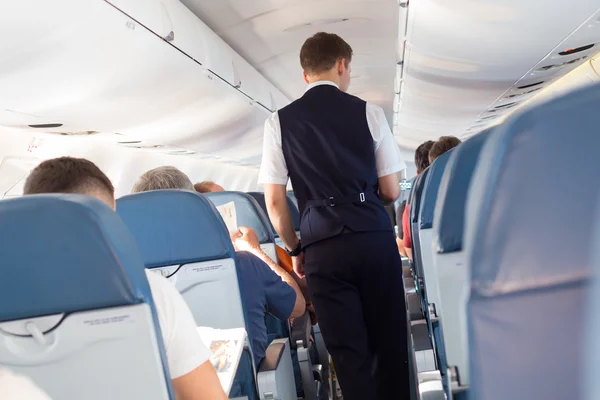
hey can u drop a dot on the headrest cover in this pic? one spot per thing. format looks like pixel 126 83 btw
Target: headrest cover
pixel 591 327
pixel 521 224
pixel 449 213
pixel 249 213
pixel 416 193
pixel 528 249
pixel 260 199
pixel 66 253
pixel 175 227
pixel 430 191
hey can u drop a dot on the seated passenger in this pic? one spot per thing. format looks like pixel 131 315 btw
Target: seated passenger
pixel 17 387
pixel 208 187
pixel 421 162
pixel 265 286
pixel 444 144
pixel 193 375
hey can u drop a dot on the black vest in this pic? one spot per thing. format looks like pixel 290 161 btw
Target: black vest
pixel 329 152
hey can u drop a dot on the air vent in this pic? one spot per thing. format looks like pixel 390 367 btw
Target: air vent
pixel 504 106
pixel 130 142
pixel 488 117
pixel 512 96
pixel 556 66
pixel 534 90
pixel 576 50
pixel 45 126
pixel 530 85
pixel 79 133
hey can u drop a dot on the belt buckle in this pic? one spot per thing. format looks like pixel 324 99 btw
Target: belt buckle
pixel 362 198
pixel 331 202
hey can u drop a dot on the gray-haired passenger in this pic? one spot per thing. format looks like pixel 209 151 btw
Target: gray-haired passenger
pixel 166 177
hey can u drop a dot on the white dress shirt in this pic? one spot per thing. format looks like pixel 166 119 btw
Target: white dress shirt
pixel 273 169
pixel 185 349
pixel 18 387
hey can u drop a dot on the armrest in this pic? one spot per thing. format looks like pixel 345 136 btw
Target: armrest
pixel 275 377
pixel 300 332
pixel 273 356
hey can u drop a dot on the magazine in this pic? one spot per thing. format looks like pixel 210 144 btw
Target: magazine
pixel 229 215
pixel 226 346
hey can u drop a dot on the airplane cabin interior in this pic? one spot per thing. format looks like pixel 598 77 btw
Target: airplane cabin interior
pixel 500 282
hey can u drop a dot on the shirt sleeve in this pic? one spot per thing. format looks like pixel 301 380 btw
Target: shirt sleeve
pixel 19 387
pixel 273 169
pixel 387 153
pixel 407 242
pixel 280 296
pixel 185 349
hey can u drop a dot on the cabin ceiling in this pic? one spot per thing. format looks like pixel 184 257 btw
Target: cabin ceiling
pixel 269 34
pixel 467 64
pixel 463 61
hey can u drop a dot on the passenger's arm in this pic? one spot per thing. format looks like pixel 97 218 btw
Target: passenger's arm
pixel 409 253
pixel 200 384
pixel 279 213
pixel 249 242
pixel 192 374
pixel 401 248
pixel 389 188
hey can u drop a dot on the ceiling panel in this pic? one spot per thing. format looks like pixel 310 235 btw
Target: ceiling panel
pixel 465 59
pixel 269 34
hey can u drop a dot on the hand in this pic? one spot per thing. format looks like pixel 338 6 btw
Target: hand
pixel 245 239
pixel 298 263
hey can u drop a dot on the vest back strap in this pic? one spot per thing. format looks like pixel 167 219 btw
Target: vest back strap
pixel 335 201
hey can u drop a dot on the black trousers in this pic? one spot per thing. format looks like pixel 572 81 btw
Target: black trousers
pixel 355 281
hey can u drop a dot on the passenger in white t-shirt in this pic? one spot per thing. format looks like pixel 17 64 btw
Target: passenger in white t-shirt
pixel 192 374
pixel 18 387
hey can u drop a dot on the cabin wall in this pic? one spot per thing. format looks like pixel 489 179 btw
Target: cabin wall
pixel 22 150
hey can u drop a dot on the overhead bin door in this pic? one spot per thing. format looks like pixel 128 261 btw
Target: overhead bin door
pixel 172 21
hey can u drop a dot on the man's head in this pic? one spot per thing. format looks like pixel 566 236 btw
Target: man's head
pixel 160 178
pixel 70 175
pixel 444 144
pixel 422 156
pixel 208 187
pixel 326 56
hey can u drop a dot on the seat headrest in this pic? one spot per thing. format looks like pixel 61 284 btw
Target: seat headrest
pixel 249 213
pixel 260 199
pixel 528 248
pixel 430 190
pixel 449 212
pixel 416 193
pixel 175 227
pixel 65 253
pixel 592 325
pixel 517 224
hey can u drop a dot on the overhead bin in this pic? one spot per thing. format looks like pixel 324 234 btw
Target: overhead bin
pixel 176 24
pixel 87 65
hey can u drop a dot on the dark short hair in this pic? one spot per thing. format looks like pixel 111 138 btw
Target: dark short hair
pixel 203 187
pixel 444 144
pixel 321 51
pixel 422 155
pixel 67 175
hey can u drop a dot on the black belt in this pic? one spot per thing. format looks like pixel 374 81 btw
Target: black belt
pixel 335 201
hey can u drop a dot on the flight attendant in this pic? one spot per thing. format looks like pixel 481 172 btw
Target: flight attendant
pixel 343 162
